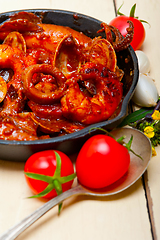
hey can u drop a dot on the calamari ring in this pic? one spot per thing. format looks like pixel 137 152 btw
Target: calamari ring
pixel 41 97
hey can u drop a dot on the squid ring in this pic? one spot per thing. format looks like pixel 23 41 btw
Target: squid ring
pixel 43 97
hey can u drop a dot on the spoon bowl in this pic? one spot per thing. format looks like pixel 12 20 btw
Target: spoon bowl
pixel 141 145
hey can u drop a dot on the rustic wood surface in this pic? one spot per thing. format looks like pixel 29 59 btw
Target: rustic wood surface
pixel 133 214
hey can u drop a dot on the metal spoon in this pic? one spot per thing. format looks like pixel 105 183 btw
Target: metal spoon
pixel 141 145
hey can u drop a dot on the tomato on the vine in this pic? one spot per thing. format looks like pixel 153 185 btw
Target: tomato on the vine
pixel 101 161
pixel 120 23
pixel 49 173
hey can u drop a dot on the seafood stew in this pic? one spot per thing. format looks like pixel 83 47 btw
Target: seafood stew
pixel 47 75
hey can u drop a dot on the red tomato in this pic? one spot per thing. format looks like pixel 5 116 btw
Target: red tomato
pixel 101 161
pixel 120 22
pixel 45 163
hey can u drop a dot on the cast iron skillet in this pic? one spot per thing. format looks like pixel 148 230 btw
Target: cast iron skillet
pixel 69 144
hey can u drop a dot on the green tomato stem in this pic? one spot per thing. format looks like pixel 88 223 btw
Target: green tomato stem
pixel 132 12
pixel 57 186
pixel 57 172
pixel 67 178
pixel 47 190
pixel 118 11
pixel 54 182
pixel 40 177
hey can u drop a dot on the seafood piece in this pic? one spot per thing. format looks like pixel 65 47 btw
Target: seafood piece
pixel 13 103
pixel 102 52
pixel 31 17
pixel 6 74
pixel 51 36
pixel 118 41
pixel 40 56
pixel 52 125
pixel 15 59
pixel 68 56
pixel 18 25
pixel 46 94
pixel 18 127
pixel 3 89
pixel 46 111
pixel 91 70
pixel 15 40
pixel 79 105
pixel 22 22
pixel 12 58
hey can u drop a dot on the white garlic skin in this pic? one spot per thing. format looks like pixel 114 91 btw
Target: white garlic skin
pixel 146 93
pixel 143 62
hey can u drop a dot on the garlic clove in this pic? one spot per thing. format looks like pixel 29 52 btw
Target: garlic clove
pixel 143 62
pixel 146 93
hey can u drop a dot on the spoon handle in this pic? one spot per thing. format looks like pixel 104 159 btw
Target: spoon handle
pixel 13 232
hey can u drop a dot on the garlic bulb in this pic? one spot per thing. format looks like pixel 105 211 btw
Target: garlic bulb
pixel 143 62
pixel 146 93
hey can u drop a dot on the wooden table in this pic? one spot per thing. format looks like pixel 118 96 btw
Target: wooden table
pixel 131 215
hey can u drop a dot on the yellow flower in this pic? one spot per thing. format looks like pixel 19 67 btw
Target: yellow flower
pixel 156 115
pixel 149 132
pixel 153 152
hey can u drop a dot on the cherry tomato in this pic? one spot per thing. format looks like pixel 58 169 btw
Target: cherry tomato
pixel 46 163
pixel 101 161
pixel 120 22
